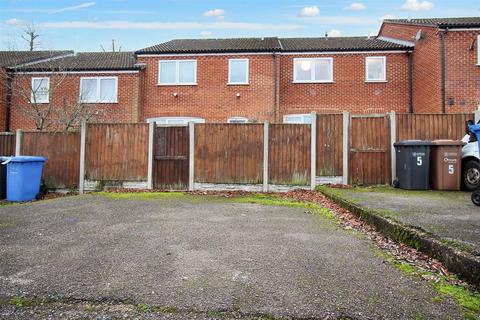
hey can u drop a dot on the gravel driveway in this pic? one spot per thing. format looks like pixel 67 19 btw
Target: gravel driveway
pixel 197 257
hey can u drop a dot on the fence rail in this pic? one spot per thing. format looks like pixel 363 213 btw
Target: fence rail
pixel 357 147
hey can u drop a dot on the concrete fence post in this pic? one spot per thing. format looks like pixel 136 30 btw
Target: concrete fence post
pixel 313 151
pixel 345 147
pixel 151 129
pixel 265 157
pixel 191 153
pixel 18 142
pixel 476 116
pixel 83 136
pixel 393 139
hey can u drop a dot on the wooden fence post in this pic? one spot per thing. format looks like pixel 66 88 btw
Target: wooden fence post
pixel 313 151
pixel 346 150
pixel 393 139
pixel 191 162
pixel 18 142
pixel 476 116
pixel 151 129
pixel 83 135
pixel 265 156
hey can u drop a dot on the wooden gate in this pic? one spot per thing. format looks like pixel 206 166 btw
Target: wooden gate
pixel 369 150
pixel 170 168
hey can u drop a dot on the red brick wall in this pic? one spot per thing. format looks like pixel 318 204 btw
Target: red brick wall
pixel 212 98
pixel 427 77
pixel 349 92
pixel 126 110
pixel 462 72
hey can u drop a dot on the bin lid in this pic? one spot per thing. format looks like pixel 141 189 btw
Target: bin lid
pixel 444 142
pixel 26 159
pixel 407 143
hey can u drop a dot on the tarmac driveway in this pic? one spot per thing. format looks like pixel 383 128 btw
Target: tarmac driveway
pixel 198 257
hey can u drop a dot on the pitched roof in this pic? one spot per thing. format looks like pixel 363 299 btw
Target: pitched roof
pixel 214 46
pixel 271 45
pixel 339 44
pixel 464 22
pixel 14 58
pixel 88 61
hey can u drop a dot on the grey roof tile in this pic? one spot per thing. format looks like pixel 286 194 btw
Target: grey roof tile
pixel 462 22
pixel 14 58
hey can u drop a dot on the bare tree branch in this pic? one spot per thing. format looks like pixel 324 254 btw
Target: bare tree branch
pixel 31 35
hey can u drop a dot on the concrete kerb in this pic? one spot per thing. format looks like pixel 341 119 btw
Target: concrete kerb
pixel 464 264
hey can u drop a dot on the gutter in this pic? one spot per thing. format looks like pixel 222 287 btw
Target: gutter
pixel 8 99
pixel 410 82
pixel 443 66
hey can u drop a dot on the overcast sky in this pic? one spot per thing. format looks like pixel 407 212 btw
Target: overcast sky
pixel 134 24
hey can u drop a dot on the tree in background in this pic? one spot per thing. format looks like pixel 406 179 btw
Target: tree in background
pixel 114 49
pixel 31 35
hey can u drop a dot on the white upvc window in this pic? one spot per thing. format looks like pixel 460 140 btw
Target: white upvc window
pixel 237 120
pixel 175 120
pixel 98 89
pixel 238 71
pixel 313 70
pixel 376 69
pixel 40 90
pixel 297 118
pixel 177 72
pixel 478 49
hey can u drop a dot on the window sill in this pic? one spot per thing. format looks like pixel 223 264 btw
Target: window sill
pixel 312 82
pixel 39 102
pixel 376 81
pixel 238 84
pixel 175 84
pixel 98 102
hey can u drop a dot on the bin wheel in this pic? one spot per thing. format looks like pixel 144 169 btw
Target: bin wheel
pixel 396 183
pixel 476 197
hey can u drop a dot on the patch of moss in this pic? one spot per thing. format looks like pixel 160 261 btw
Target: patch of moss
pixel 139 195
pixel 143 307
pixel 5 225
pixel 272 200
pixel 469 301
pixel 23 302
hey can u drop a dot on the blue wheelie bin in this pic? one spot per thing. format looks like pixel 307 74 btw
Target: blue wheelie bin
pixel 24 175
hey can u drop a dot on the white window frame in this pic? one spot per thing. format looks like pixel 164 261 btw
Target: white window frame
pixel 384 76
pixel 478 49
pixel 237 120
pixel 175 120
pixel 305 118
pixel 177 73
pixel 98 89
pixel 230 82
pixel 32 95
pixel 295 80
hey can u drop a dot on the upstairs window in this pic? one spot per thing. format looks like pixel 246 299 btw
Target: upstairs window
pixel 478 49
pixel 315 70
pixel 98 89
pixel 238 71
pixel 375 69
pixel 40 90
pixel 177 72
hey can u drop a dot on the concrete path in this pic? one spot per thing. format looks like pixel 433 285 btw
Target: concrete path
pixel 197 257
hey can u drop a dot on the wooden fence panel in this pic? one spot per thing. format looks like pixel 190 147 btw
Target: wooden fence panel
pixel 369 139
pixel 63 152
pixel 431 126
pixel 289 154
pixel 329 144
pixel 116 152
pixel 7 144
pixel 171 155
pixel 229 153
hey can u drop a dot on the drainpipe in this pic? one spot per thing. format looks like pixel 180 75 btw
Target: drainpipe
pixel 276 85
pixel 8 99
pixel 410 81
pixel 443 60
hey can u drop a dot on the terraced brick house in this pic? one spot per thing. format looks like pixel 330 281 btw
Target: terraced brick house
pixel 445 61
pixel 420 65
